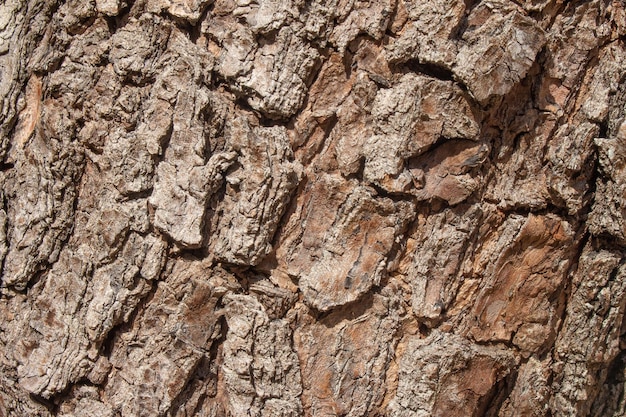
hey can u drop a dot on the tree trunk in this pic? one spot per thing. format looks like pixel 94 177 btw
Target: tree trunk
pixel 318 208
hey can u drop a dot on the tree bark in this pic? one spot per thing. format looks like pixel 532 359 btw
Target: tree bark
pixel 318 208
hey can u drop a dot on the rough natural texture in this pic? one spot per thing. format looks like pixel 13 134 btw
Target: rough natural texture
pixel 312 208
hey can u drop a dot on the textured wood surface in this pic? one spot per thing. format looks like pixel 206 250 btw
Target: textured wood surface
pixel 312 208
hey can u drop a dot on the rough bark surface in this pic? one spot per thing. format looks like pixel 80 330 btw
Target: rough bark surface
pixel 318 208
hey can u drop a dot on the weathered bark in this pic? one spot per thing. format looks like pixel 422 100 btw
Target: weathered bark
pixel 319 208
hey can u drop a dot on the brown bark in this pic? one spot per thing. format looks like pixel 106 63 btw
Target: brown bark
pixel 318 208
